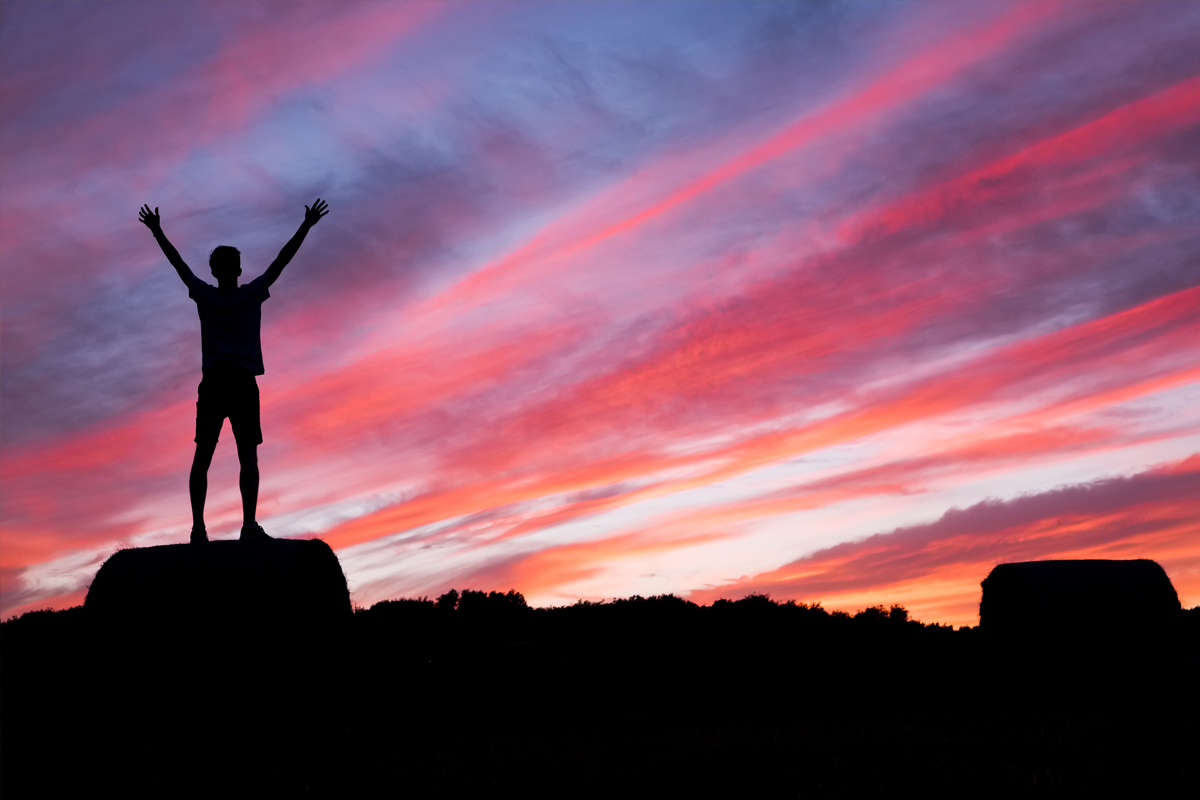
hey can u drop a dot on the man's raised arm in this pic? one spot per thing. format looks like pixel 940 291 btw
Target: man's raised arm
pixel 151 220
pixel 311 217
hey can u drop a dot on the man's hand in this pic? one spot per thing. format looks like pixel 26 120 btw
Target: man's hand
pixel 311 215
pixel 150 218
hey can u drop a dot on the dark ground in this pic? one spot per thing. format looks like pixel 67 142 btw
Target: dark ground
pixel 479 694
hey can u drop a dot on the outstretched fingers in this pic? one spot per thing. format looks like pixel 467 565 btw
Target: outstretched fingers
pixel 318 210
pixel 147 217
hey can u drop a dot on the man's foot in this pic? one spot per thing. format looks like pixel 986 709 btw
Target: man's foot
pixel 254 531
pixel 199 536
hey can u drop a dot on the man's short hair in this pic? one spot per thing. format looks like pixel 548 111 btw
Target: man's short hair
pixel 224 255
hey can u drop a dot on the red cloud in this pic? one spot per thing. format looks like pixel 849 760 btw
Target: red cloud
pixel 547 569
pixel 1111 136
pixel 530 454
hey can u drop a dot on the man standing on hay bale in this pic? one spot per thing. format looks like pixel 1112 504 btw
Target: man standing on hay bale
pixel 230 318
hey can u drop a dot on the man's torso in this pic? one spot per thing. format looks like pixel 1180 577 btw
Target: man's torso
pixel 230 323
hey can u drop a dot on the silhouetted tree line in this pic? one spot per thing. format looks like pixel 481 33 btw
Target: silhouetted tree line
pixel 664 655
pixel 474 690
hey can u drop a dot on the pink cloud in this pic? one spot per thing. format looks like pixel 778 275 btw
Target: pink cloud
pixel 547 437
pixel 1152 514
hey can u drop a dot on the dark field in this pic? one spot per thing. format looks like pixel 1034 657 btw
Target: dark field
pixel 478 695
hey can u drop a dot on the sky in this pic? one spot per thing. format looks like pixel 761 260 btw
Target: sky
pixel 838 302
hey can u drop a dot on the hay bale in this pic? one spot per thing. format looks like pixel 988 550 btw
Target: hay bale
pixel 230 639
pixel 211 612
pixel 241 645
pixel 225 582
pixel 1078 598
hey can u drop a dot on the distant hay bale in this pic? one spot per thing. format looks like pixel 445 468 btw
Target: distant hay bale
pixel 1073 599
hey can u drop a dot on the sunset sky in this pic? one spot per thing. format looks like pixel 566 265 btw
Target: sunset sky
pixel 844 303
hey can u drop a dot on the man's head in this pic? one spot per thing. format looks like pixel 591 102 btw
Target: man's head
pixel 225 263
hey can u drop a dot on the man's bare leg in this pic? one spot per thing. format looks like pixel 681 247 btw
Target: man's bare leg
pixel 248 481
pixel 198 482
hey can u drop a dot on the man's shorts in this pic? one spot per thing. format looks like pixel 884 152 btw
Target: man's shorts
pixel 228 392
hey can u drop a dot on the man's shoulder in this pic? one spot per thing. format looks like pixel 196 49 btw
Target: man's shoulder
pixel 198 287
pixel 259 288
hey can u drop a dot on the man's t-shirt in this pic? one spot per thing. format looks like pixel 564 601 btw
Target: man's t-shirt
pixel 229 323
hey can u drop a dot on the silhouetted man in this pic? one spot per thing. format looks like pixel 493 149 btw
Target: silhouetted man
pixel 230 317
